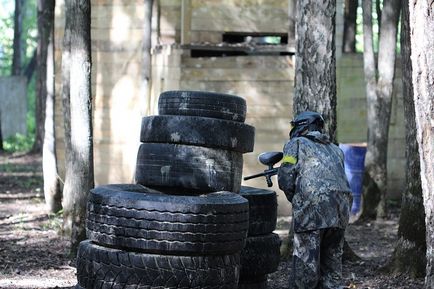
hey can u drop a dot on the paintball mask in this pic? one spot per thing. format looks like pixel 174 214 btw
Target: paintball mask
pixel 306 121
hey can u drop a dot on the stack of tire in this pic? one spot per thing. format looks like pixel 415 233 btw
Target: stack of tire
pixel 261 255
pixel 183 225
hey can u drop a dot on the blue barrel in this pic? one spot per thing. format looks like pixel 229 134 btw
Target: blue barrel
pixel 354 169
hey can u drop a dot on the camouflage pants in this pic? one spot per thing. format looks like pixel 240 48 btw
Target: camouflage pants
pixel 317 259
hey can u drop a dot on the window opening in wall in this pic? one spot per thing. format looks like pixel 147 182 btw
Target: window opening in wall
pixel 244 44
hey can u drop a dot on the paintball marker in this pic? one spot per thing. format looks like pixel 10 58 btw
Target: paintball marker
pixel 269 159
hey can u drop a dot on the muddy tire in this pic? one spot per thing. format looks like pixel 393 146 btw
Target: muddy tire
pixel 102 267
pixel 134 217
pixel 188 169
pixel 260 256
pixel 201 103
pixel 198 131
pixel 262 210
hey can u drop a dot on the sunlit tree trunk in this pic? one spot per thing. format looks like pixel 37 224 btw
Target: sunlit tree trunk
pixel 409 256
pixel 45 85
pixel 350 17
pixel 17 43
pixel 422 60
pixel 79 179
pixel 379 91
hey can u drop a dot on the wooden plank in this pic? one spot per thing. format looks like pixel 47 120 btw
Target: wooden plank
pixel 231 74
pixel 243 16
pixel 185 21
pixel 256 61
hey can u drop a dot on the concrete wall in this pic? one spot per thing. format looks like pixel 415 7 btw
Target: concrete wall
pixel 13 105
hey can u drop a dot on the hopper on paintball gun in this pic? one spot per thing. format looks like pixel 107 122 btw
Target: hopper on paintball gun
pixel 269 159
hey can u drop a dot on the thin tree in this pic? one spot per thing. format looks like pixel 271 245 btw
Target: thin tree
pixel 146 50
pixel 79 177
pixel 379 90
pixel 17 42
pixel 45 94
pixel 45 20
pixel 422 60
pixel 350 24
pixel 409 256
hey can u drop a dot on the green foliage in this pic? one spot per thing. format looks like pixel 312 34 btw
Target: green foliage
pixel 18 143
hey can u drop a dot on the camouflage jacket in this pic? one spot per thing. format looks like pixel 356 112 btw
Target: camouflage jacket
pixel 313 178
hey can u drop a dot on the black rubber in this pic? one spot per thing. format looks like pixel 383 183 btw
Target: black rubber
pixel 188 169
pixel 135 217
pixel 201 103
pixel 262 210
pixel 102 267
pixel 253 282
pixel 198 131
pixel 260 256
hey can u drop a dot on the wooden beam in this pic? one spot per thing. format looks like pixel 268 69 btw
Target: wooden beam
pixel 185 21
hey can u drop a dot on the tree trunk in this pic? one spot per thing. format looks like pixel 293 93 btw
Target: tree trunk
pixel 79 177
pixel 30 67
pixel 379 91
pixel 409 256
pixel 45 22
pixel 1 136
pixel 422 60
pixel 292 19
pixel 350 17
pixel 17 44
pixel 45 82
pixel 315 61
pixel 146 51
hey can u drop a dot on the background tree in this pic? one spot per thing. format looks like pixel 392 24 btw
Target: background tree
pixel 422 60
pixel 79 177
pixel 379 90
pixel 45 94
pixel 409 256
pixel 45 20
pixel 18 43
pixel 146 49
pixel 350 23
pixel 315 61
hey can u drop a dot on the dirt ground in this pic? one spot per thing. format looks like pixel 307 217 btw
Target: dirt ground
pixel 34 255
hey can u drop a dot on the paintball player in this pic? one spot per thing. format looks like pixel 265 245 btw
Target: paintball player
pixel 313 179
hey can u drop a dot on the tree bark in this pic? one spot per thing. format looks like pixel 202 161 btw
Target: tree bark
pixel 52 191
pixel 315 64
pixel 350 17
pixel 422 60
pixel 409 256
pixel 292 19
pixel 45 23
pixel 79 167
pixel 146 51
pixel 379 91
pixel 17 43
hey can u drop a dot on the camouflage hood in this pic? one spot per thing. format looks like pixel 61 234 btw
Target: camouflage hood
pixel 316 136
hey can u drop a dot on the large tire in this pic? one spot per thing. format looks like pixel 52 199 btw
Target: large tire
pixel 198 131
pixel 134 217
pixel 253 282
pixel 201 103
pixel 260 256
pixel 101 267
pixel 188 169
pixel 262 210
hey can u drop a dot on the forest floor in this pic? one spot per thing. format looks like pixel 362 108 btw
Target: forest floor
pixel 33 254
